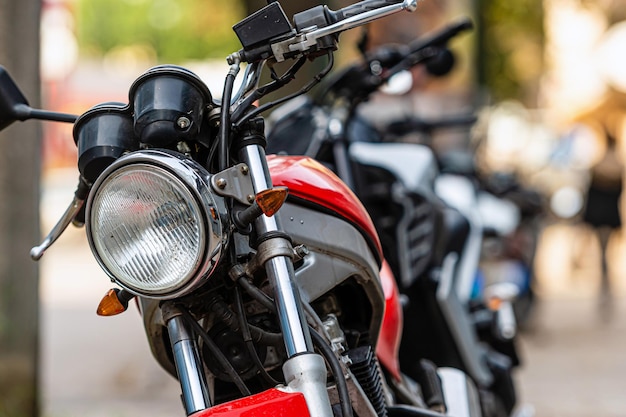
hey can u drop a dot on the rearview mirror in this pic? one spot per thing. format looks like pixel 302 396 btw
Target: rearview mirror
pixel 13 104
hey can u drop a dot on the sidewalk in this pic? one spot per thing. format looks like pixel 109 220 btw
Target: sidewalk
pixel 574 363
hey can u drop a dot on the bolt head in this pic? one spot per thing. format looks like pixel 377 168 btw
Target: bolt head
pixel 221 183
pixel 302 251
pixel 183 122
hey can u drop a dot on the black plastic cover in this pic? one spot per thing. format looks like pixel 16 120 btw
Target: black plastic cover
pixel 317 16
pixel 261 26
pixel 102 135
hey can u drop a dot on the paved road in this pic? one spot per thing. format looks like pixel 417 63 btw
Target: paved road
pixel 575 363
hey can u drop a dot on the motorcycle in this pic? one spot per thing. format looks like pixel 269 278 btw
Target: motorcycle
pixel 431 237
pixel 260 279
pixel 510 214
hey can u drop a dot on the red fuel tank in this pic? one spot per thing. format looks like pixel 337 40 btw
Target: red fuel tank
pixel 311 181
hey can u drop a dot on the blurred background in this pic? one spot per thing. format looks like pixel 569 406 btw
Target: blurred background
pixel 547 79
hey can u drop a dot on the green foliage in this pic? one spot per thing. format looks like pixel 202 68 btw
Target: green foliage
pixel 511 48
pixel 175 29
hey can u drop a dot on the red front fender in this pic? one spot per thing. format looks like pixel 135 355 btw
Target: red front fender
pixel 270 403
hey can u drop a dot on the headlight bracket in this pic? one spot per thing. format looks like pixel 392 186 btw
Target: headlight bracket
pixel 234 182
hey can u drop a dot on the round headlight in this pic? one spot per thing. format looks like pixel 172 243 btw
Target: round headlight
pixel 153 224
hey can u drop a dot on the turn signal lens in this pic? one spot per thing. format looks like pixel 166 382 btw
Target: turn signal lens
pixel 494 304
pixel 110 305
pixel 271 200
pixel 496 294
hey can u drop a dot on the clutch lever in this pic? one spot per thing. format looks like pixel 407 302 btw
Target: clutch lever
pixel 70 215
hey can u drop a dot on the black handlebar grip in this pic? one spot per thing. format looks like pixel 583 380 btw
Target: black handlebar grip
pixel 364 6
pixel 442 36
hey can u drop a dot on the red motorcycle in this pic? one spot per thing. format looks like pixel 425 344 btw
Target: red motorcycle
pixel 260 279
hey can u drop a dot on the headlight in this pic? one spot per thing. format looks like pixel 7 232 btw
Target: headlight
pixel 154 225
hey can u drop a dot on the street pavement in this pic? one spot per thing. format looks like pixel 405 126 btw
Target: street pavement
pixel 574 357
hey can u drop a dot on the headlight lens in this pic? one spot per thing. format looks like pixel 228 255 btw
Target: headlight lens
pixel 152 224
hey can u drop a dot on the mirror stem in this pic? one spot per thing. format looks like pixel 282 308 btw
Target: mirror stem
pixel 24 112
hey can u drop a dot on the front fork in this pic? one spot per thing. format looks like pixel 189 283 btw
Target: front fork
pixel 304 370
pixel 195 393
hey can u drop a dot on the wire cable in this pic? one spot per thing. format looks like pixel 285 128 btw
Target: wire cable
pixel 247 338
pixel 217 353
pixel 318 341
pixel 303 90
pixel 337 371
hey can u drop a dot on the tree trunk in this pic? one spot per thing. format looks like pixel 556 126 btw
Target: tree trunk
pixel 19 216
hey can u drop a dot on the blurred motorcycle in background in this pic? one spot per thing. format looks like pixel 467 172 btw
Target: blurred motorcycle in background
pixel 510 215
pixel 426 210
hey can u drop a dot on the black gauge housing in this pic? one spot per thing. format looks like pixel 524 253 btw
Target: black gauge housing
pixel 103 134
pixel 169 104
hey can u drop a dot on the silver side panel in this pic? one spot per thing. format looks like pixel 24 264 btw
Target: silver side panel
pixel 413 164
pixel 462 329
pixel 337 251
pixel 460 393
pixel 459 193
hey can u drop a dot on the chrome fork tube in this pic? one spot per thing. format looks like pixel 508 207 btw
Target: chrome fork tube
pixel 304 371
pixel 189 368
pixel 280 268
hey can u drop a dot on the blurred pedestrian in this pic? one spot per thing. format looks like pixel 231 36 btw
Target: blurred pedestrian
pixel 602 212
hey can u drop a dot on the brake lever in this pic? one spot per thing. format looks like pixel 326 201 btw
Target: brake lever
pixel 304 41
pixel 280 41
pixel 68 217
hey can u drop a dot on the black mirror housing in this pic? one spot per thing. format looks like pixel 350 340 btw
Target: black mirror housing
pixel 13 104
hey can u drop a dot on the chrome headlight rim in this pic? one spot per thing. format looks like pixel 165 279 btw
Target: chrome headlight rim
pixel 196 182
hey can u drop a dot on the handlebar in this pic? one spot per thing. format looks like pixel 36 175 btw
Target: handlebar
pixel 413 53
pixel 442 36
pixel 415 124
pixel 364 6
pixel 320 23
pixel 368 13
pixel 359 81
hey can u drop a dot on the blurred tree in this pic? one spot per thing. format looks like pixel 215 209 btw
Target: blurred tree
pixel 175 29
pixel 19 217
pixel 510 50
pixel 510 34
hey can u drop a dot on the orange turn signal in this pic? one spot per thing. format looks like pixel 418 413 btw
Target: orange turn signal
pixel 271 200
pixel 110 305
pixel 494 303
